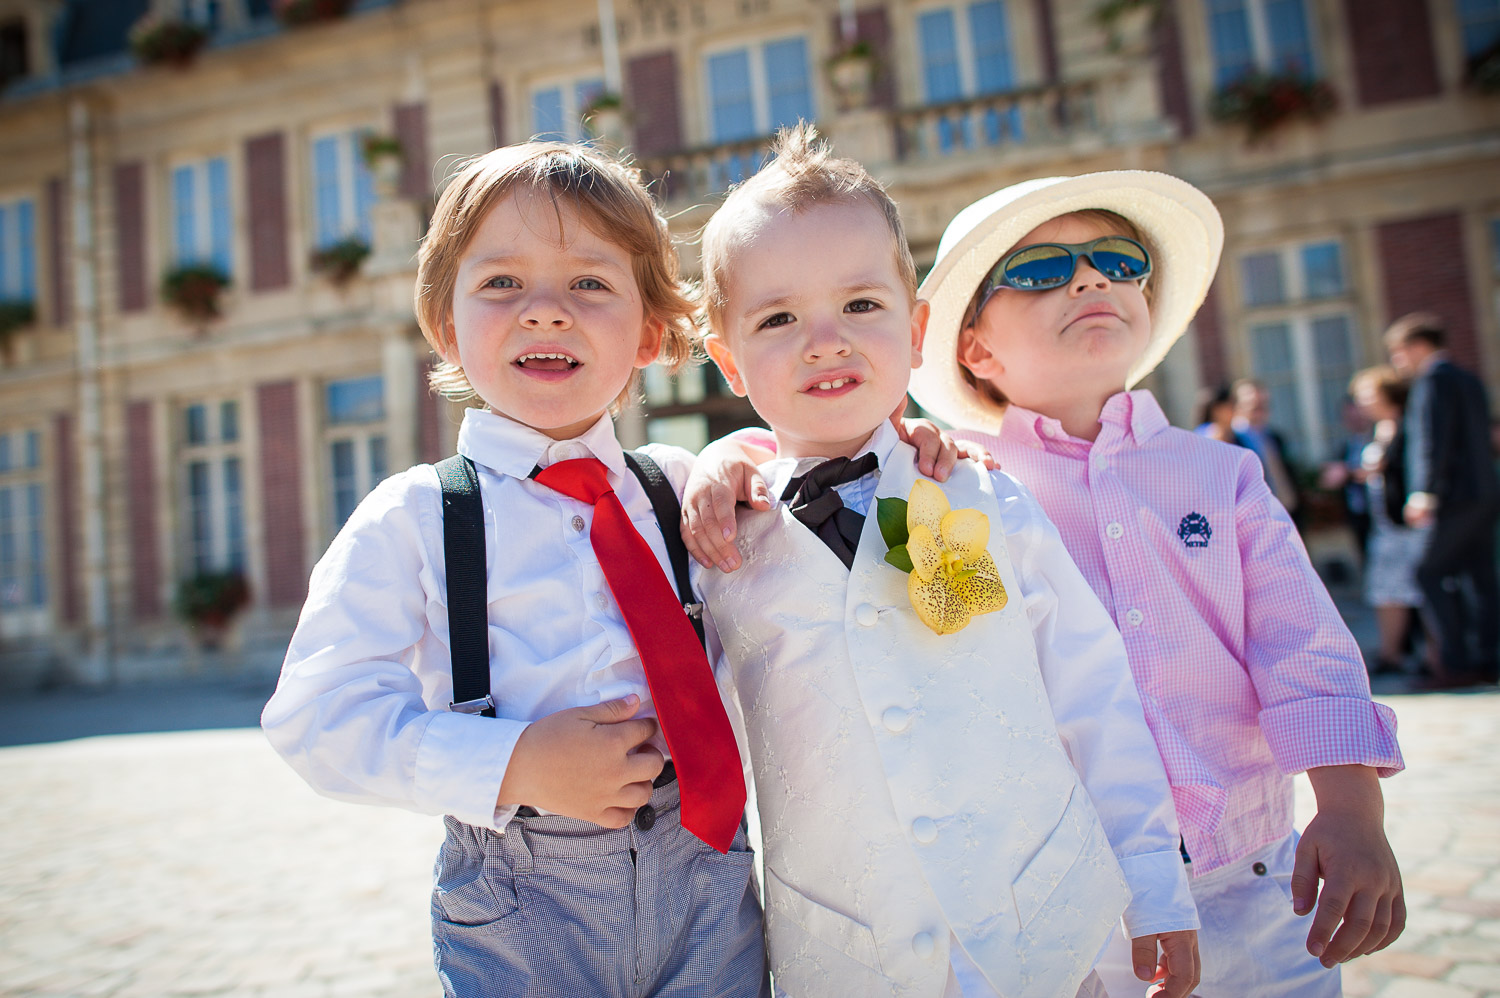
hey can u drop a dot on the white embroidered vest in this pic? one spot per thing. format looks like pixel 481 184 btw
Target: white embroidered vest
pixel 909 784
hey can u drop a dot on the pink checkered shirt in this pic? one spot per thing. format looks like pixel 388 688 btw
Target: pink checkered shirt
pixel 1245 668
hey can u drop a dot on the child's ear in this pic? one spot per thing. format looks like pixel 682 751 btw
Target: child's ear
pixel 973 354
pixel 448 342
pixel 723 358
pixel 650 346
pixel 920 313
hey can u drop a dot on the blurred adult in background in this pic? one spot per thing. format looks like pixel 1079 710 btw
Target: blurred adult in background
pixel 1395 549
pixel 1344 472
pixel 1214 416
pixel 1451 473
pixel 1252 421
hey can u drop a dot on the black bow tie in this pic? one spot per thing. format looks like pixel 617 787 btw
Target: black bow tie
pixel 817 506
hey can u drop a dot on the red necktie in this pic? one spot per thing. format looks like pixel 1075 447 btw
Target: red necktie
pixel 688 707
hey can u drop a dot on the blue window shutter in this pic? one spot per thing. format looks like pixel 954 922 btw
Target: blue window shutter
pixel 1229 33
pixel 939 44
pixel 364 191
pixel 1291 46
pixel 992 66
pixel 730 97
pixel 326 190
pixel 26 247
pixel 184 215
pixel 790 90
pixel 547 114
pixel 218 207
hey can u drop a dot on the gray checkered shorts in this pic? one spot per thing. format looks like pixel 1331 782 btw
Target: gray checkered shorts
pixel 561 908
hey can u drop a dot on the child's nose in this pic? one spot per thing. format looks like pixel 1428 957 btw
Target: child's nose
pixel 1087 278
pixel 827 340
pixel 544 310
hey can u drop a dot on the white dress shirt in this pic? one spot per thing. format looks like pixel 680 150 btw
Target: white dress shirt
pixel 361 709
pixel 1078 650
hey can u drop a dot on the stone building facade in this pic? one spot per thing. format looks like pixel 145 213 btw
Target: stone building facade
pixel 142 449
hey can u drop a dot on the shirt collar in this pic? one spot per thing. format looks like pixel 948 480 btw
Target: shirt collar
pixel 782 470
pixel 1137 413
pixel 511 448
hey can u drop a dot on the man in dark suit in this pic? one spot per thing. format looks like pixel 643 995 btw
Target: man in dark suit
pixel 1452 484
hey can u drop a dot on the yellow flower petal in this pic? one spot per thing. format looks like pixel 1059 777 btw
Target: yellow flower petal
pixel 966 532
pixel 937 605
pixel 982 592
pixel 926 505
pixel 926 556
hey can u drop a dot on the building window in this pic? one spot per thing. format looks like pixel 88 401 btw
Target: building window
pixel 18 250
pixel 15 55
pixel 1479 21
pixel 966 52
pixel 201 213
pixel 213 486
pixel 557 111
pixel 1302 339
pixel 1259 35
pixel 343 191
pixel 756 89
pixel 355 416
pixel 23 563
pixel 208 13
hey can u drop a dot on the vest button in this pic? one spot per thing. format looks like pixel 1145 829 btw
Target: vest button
pixel 578 523
pixel 866 615
pixel 922 944
pixel 896 719
pixel 924 830
pixel 645 817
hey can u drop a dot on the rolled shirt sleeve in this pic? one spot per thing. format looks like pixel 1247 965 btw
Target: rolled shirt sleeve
pixel 1099 717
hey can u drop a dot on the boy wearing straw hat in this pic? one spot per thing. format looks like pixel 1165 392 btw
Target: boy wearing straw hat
pixel 1049 300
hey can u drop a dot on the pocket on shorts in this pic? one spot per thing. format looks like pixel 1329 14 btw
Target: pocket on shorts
pixel 474 886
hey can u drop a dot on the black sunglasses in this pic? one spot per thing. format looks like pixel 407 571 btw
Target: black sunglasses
pixel 1044 266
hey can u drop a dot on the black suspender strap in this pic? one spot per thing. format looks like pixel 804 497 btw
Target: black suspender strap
pixel 669 517
pixel 464 562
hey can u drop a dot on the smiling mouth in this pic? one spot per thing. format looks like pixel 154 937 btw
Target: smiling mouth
pixel 546 362
pixel 831 385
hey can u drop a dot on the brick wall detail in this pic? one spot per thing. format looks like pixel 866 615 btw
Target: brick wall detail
pixel 281 493
pixel 410 121
pixel 265 193
pixel 1424 269
pixel 1171 70
pixel 651 91
pixel 130 235
pixel 142 508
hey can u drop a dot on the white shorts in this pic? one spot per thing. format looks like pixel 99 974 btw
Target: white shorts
pixel 1251 943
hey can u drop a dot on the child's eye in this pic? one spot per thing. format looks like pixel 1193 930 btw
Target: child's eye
pixel 591 284
pixel 502 282
pixel 861 305
pixel 779 319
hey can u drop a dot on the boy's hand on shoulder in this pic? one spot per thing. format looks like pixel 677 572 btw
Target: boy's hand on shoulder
pixel 592 763
pixel 937 452
pixel 1361 907
pixel 724 474
pixel 1177 972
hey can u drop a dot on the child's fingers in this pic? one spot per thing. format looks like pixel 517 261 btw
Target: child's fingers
pixel 1330 912
pixel 1380 927
pixel 708 526
pixel 611 711
pixel 1305 876
pixel 928 447
pixel 760 495
pixel 947 458
pixel 1349 940
pixel 1398 924
pixel 1143 957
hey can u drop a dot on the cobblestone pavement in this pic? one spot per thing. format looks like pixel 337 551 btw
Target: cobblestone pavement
pixel 196 863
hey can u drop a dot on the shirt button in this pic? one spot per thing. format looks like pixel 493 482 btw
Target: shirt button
pixel 866 615
pixel 1115 531
pixel 645 817
pixel 924 830
pixel 896 719
pixel 922 945
pixel 1100 462
pixel 1133 617
pixel 578 523
pixel 1259 869
pixel 602 601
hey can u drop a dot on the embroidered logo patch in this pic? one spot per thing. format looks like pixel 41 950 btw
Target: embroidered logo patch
pixel 1194 530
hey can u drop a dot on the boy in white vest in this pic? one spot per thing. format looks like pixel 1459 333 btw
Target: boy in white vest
pixel 957 788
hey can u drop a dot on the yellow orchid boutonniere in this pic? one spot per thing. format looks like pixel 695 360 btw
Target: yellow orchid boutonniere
pixel 951 576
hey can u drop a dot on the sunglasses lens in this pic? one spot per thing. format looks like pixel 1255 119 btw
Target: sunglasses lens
pixel 1120 259
pixel 1037 267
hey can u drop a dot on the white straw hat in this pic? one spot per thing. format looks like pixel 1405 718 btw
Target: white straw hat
pixel 1182 230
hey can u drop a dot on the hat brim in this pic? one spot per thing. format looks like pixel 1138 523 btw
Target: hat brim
pixel 1180 224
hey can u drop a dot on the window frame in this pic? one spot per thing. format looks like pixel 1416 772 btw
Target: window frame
pixel 24 483
pixel 228 546
pixel 354 179
pixel 1261 51
pixel 205 219
pixel 19 236
pixel 359 434
pixel 760 90
pixel 968 60
pixel 571 104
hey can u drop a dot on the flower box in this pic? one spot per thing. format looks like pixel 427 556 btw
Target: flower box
pixel 194 289
pixel 340 261
pixel 1263 102
pixel 160 41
